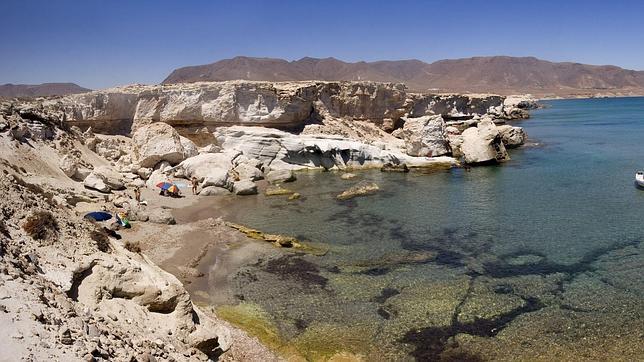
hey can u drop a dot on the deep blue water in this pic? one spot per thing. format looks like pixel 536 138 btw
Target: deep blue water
pixel 565 208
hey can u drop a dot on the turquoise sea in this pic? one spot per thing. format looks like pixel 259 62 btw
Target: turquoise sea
pixel 537 258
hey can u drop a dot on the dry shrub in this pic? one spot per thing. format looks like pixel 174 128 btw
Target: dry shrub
pixel 132 246
pixel 101 239
pixel 41 225
pixel 3 229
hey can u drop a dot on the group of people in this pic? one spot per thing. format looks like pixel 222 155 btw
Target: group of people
pixel 194 183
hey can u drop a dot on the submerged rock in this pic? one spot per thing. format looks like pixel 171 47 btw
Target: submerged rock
pixel 361 189
pixel 390 167
pixel 276 239
pixel 278 190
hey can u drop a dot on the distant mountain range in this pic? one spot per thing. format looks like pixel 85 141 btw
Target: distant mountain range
pixel 497 74
pixel 39 90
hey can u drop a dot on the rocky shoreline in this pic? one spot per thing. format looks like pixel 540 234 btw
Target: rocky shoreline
pixel 72 289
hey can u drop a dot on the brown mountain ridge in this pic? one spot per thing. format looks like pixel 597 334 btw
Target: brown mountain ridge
pixel 40 90
pixel 496 74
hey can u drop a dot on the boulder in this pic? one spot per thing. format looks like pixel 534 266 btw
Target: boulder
pixel 361 189
pixel 161 216
pixel 205 164
pixel 213 191
pixel 69 165
pixel 95 182
pixel 189 147
pixel 136 183
pixel 82 173
pixel 157 142
pixel 280 176
pixel 122 200
pixel 112 148
pixel 455 142
pixel 216 177
pixel 137 212
pixel 483 144
pixel 512 137
pixel 144 172
pixel 425 136
pixel 244 187
pixel 111 178
pixel 348 176
pixel 248 170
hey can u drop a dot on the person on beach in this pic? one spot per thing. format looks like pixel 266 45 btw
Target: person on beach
pixel 137 195
pixel 193 182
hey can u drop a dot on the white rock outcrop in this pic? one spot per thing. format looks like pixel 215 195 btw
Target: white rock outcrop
pixel 158 142
pixel 512 137
pixel 425 136
pixel 483 144
pixel 282 150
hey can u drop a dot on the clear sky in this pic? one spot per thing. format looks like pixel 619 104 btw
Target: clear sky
pixel 101 43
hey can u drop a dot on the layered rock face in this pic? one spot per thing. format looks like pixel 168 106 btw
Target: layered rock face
pixel 283 104
pixel 247 129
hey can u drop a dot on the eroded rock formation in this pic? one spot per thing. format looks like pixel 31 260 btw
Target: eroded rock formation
pixel 280 104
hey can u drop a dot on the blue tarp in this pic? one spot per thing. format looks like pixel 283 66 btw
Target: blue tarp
pixel 98 215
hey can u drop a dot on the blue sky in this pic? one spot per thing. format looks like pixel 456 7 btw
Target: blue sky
pixel 100 43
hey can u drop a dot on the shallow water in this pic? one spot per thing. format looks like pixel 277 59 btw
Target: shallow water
pixel 469 265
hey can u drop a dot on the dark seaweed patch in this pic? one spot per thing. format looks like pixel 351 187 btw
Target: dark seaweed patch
pixel 301 324
pixel 449 258
pixel 504 269
pixel 296 268
pixel 503 289
pixel 383 313
pixel 376 271
pixel 240 297
pixel 385 294
pixel 451 244
pixel 430 343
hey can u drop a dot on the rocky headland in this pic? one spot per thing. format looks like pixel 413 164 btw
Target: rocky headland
pixel 72 289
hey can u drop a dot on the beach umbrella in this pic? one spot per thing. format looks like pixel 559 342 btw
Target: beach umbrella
pixel 98 216
pixel 164 185
pixel 173 189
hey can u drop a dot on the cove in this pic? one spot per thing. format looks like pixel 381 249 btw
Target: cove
pixel 539 256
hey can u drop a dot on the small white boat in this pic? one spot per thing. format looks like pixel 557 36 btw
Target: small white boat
pixel 639 179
